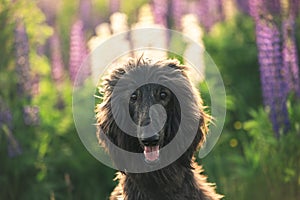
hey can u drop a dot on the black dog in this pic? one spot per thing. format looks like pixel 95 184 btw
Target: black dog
pixel 179 180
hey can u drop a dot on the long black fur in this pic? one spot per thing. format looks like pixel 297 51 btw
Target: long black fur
pixel 181 180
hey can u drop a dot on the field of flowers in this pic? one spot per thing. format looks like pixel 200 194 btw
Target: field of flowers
pixel 254 43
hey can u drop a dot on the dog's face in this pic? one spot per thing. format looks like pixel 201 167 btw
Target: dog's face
pixel 140 103
pixel 152 129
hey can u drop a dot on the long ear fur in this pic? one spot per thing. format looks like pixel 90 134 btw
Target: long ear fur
pixel 205 119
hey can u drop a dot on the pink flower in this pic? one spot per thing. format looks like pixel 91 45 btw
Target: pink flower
pixel 57 66
pixel 78 49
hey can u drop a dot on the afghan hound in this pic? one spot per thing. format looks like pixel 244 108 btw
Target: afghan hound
pixel 181 127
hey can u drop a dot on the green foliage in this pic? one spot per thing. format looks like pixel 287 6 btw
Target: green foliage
pixel 65 19
pixel 249 162
pixel 6 49
pixel 274 163
pixel 54 164
pixel 232 47
pixel 34 20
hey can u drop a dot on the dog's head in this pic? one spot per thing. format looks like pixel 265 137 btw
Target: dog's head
pixel 156 98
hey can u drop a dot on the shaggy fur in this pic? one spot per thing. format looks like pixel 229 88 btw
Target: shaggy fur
pixel 181 180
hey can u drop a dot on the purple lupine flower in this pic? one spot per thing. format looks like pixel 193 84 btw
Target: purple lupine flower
pixel 255 8
pixel 85 12
pixel 5 115
pixel 243 5
pixel 160 11
pixel 216 8
pixel 209 12
pixel 13 146
pixel 278 58
pixel 22 59
pixel 31 115
pixel 57 66
pixel 35 85
pixel 194 8
pixel 295 7
pixel 289 50
pixel 114 6
pixel 272 6
pixel 290 56
pixel 201 9
pixel 273 86
pixel 178 9
pixel 50 10
pixel 78 49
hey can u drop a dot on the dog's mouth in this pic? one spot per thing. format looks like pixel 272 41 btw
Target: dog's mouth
pixel 151 153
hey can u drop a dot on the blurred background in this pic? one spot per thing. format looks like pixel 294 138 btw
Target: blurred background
pixel 255 44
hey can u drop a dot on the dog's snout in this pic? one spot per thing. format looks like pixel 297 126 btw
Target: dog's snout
pixel 145 121
pixel 150 141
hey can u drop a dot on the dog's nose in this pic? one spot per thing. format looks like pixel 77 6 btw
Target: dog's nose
pixel 145 121
pixel 150 141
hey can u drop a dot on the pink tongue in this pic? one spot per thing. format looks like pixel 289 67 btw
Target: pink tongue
pixel 151 152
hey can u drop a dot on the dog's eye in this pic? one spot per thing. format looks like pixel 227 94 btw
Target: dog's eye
pixel 133 97
pixel 163 95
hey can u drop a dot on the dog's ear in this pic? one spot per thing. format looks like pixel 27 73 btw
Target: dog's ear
pixel 197 141
pixel 198 108
pixel 104 116
pixel 202 130
pixel 103 122
pixel 204 117
pixel 108 133
pixel 204 120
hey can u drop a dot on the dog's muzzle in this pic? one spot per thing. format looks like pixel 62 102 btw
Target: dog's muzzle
pixel 151 148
